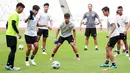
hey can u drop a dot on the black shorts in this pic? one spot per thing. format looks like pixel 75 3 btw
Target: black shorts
pixel 123 37
pixel 11 41
pixel 43 32
pixel 91 31
pixel 69 39
pixel 30 39
pixel 113 41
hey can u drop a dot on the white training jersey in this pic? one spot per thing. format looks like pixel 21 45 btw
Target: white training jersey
pixel 66 29
pixel 43 19
pixel 31 29
pixel 111 21
pixel 121 21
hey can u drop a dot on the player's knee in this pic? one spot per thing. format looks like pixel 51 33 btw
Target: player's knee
pixel 44 38
pixel 94 37
pixel 87 38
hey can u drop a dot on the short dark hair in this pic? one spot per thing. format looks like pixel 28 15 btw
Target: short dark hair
pixel 120 7
pixel 66 15
pixel 20 5
pixel 90 4
pixel 46 4
pixel 36 7
pixel 105 8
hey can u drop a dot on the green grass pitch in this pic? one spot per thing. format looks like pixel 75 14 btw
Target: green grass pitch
pixel 89 63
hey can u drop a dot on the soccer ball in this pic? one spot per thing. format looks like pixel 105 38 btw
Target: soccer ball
pixel 55 65
pixel 20 47
pixel 84 22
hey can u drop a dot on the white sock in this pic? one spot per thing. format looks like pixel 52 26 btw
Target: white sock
pixel 96 46
pixel 86 46
pixel 123 47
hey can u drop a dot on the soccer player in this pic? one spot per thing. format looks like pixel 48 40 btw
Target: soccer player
pixel 31 35
pixel 66 29
pixel 114 37
pixel 11 39
pixel 122 24
pixel 44 18
pixel 90 26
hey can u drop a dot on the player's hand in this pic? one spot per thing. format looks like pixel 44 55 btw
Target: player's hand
pixel 19 36
pixel 50 28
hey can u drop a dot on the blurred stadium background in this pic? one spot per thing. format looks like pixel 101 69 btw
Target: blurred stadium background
pixel 76 7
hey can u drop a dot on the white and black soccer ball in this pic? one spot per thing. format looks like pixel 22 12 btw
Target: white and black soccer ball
pixel 55 65
pixel 20 47
pixel 84 22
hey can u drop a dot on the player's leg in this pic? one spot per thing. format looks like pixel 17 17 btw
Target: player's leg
pixel 106 64
pixel 94 35
pixel 87 34
pixel 129 52
pixel 34 53
pixel 28 40
pixel 44 39
pixel 111 45
pixel 126 46
pixel 60 42
pixel 109 49
pixel 29 47
pixel 109 55
pixel 70 40
pixel 118 48
pixel 12 43
pixel 39 33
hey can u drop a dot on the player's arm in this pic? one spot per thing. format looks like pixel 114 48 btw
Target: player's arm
pixel 74 34
pixel 82 21
pixel 113 28
pixel 26 20
pixel 57 33
pixel 15 28
pixel 127 25
pixel 7 25
pixel 99 21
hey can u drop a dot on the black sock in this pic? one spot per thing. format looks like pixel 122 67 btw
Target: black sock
pixel 26 58
pixel 127 52
pixel 32 57
pixel 53 55
pixel 77 55
pixel 107 62
pixel 113 64
pixel 44 50
pixel 118 52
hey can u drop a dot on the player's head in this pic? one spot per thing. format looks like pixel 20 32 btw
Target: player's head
pixel 67 17
pixel 35 9
pixel 105 11
pixel 120 10
pixel 46 7
pixel 20 7
pixel 90 6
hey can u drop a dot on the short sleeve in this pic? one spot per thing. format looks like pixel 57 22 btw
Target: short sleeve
pixel 96 15
pixel 126 19
pixel 111 20
pixel 73 26
pixel 84 16
pixel 38 15
pixel 15 17
pixel 60 26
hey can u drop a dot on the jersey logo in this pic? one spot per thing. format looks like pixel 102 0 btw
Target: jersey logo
pixel 93 15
